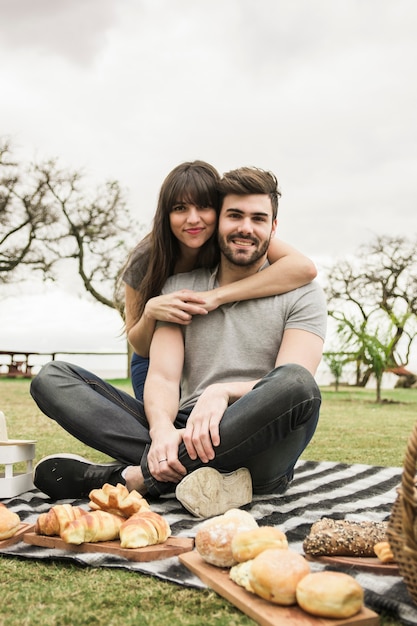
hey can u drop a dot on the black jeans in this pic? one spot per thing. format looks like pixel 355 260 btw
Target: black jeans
pixel 266 430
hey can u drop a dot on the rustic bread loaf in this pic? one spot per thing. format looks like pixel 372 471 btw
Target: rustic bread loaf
pixel 240 574
pixel 247 544
pixel 275 573
pixel 330 594
pixel 213 540
pixel 329 537
pixel 9 522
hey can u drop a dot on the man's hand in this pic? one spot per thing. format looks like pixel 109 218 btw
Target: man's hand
pixel 163 461
pixel 201 434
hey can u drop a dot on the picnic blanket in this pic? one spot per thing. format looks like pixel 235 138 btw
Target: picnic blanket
pixel 319 489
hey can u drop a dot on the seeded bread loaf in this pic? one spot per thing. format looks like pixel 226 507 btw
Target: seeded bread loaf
pixel 329 537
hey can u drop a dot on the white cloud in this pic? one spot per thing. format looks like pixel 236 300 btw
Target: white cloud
pixel 323 93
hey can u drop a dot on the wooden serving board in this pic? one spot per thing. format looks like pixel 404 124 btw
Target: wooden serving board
pixel 370 564
pixel 172 547
pixel 18 536
pixel 263 612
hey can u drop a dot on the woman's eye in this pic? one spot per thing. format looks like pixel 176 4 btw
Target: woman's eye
pixel 178 208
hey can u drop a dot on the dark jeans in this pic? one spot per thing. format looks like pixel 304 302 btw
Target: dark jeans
pixel 266 430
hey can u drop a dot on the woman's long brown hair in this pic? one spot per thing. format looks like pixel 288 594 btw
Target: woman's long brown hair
pixel 193 182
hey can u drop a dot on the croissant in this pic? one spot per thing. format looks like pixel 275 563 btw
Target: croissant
pixel 56 519
pixel 117 499
pixel 9 522
pixel 93 527
pixel 383 551
pixel 146 528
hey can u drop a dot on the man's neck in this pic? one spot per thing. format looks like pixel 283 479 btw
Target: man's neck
pixel 230 272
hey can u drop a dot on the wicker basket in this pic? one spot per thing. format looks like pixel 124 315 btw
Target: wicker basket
pixel 402 526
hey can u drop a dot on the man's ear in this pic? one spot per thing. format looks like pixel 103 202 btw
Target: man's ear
pixel 274 227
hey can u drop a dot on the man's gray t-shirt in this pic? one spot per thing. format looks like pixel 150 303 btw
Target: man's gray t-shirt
pixel 240 341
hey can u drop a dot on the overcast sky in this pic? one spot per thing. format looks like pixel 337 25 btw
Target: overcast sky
pixel 321 92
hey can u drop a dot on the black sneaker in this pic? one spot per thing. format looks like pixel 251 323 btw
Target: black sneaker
pixel 65 476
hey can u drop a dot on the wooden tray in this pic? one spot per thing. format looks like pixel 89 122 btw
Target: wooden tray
pixel 172 547
pixel 263 612
pixel 370 564
pixel 18 536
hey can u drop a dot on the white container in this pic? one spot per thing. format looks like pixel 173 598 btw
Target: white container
pixel 14 451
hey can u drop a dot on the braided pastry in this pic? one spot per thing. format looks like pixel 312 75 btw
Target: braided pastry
pixel 118 500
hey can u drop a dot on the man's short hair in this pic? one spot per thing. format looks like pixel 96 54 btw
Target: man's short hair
pixel 250 180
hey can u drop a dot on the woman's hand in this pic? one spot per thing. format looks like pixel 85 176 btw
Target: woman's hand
pixel 210 300
pixel 163 461
pixel 177 307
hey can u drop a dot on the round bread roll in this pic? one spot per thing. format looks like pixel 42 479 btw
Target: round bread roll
pixel 330 594
pixel 214 537
pixel 9 522
pixel 247 544
pixel 275 574
pixel 240 574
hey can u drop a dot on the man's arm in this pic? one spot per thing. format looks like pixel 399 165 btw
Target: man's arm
pixel 301 347
pixel 161 400
pixel 202 432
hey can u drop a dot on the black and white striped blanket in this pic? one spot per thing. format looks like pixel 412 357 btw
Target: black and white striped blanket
pixel 319 489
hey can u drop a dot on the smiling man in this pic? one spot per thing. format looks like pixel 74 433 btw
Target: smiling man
pixel 230 399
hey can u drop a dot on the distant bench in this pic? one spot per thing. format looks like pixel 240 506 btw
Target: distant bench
pixel 15 364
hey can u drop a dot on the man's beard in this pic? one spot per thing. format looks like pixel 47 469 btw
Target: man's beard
pixel 241 257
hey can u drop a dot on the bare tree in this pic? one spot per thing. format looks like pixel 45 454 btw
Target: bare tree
pixel 48 216
pixel 25 220
pixel 374 296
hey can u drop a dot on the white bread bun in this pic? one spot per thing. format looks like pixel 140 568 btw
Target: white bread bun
pixel 247 544
pixel 275 574
pixel 330 594
pixel 240 574
pixel 9 522
pixel 213 540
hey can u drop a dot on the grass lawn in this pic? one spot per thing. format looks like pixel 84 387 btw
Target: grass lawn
pixel 352 429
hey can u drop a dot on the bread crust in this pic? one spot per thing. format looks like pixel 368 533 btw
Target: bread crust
pixel 330 594
pixel 329 537
pixel 57 518
pixel 213 540
pixel 145 528
pixel 118 499
pixel 9 522
pixel 240 574
pixel 93 527
pixel 383 552
pixel 275 574
pixel 248 544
